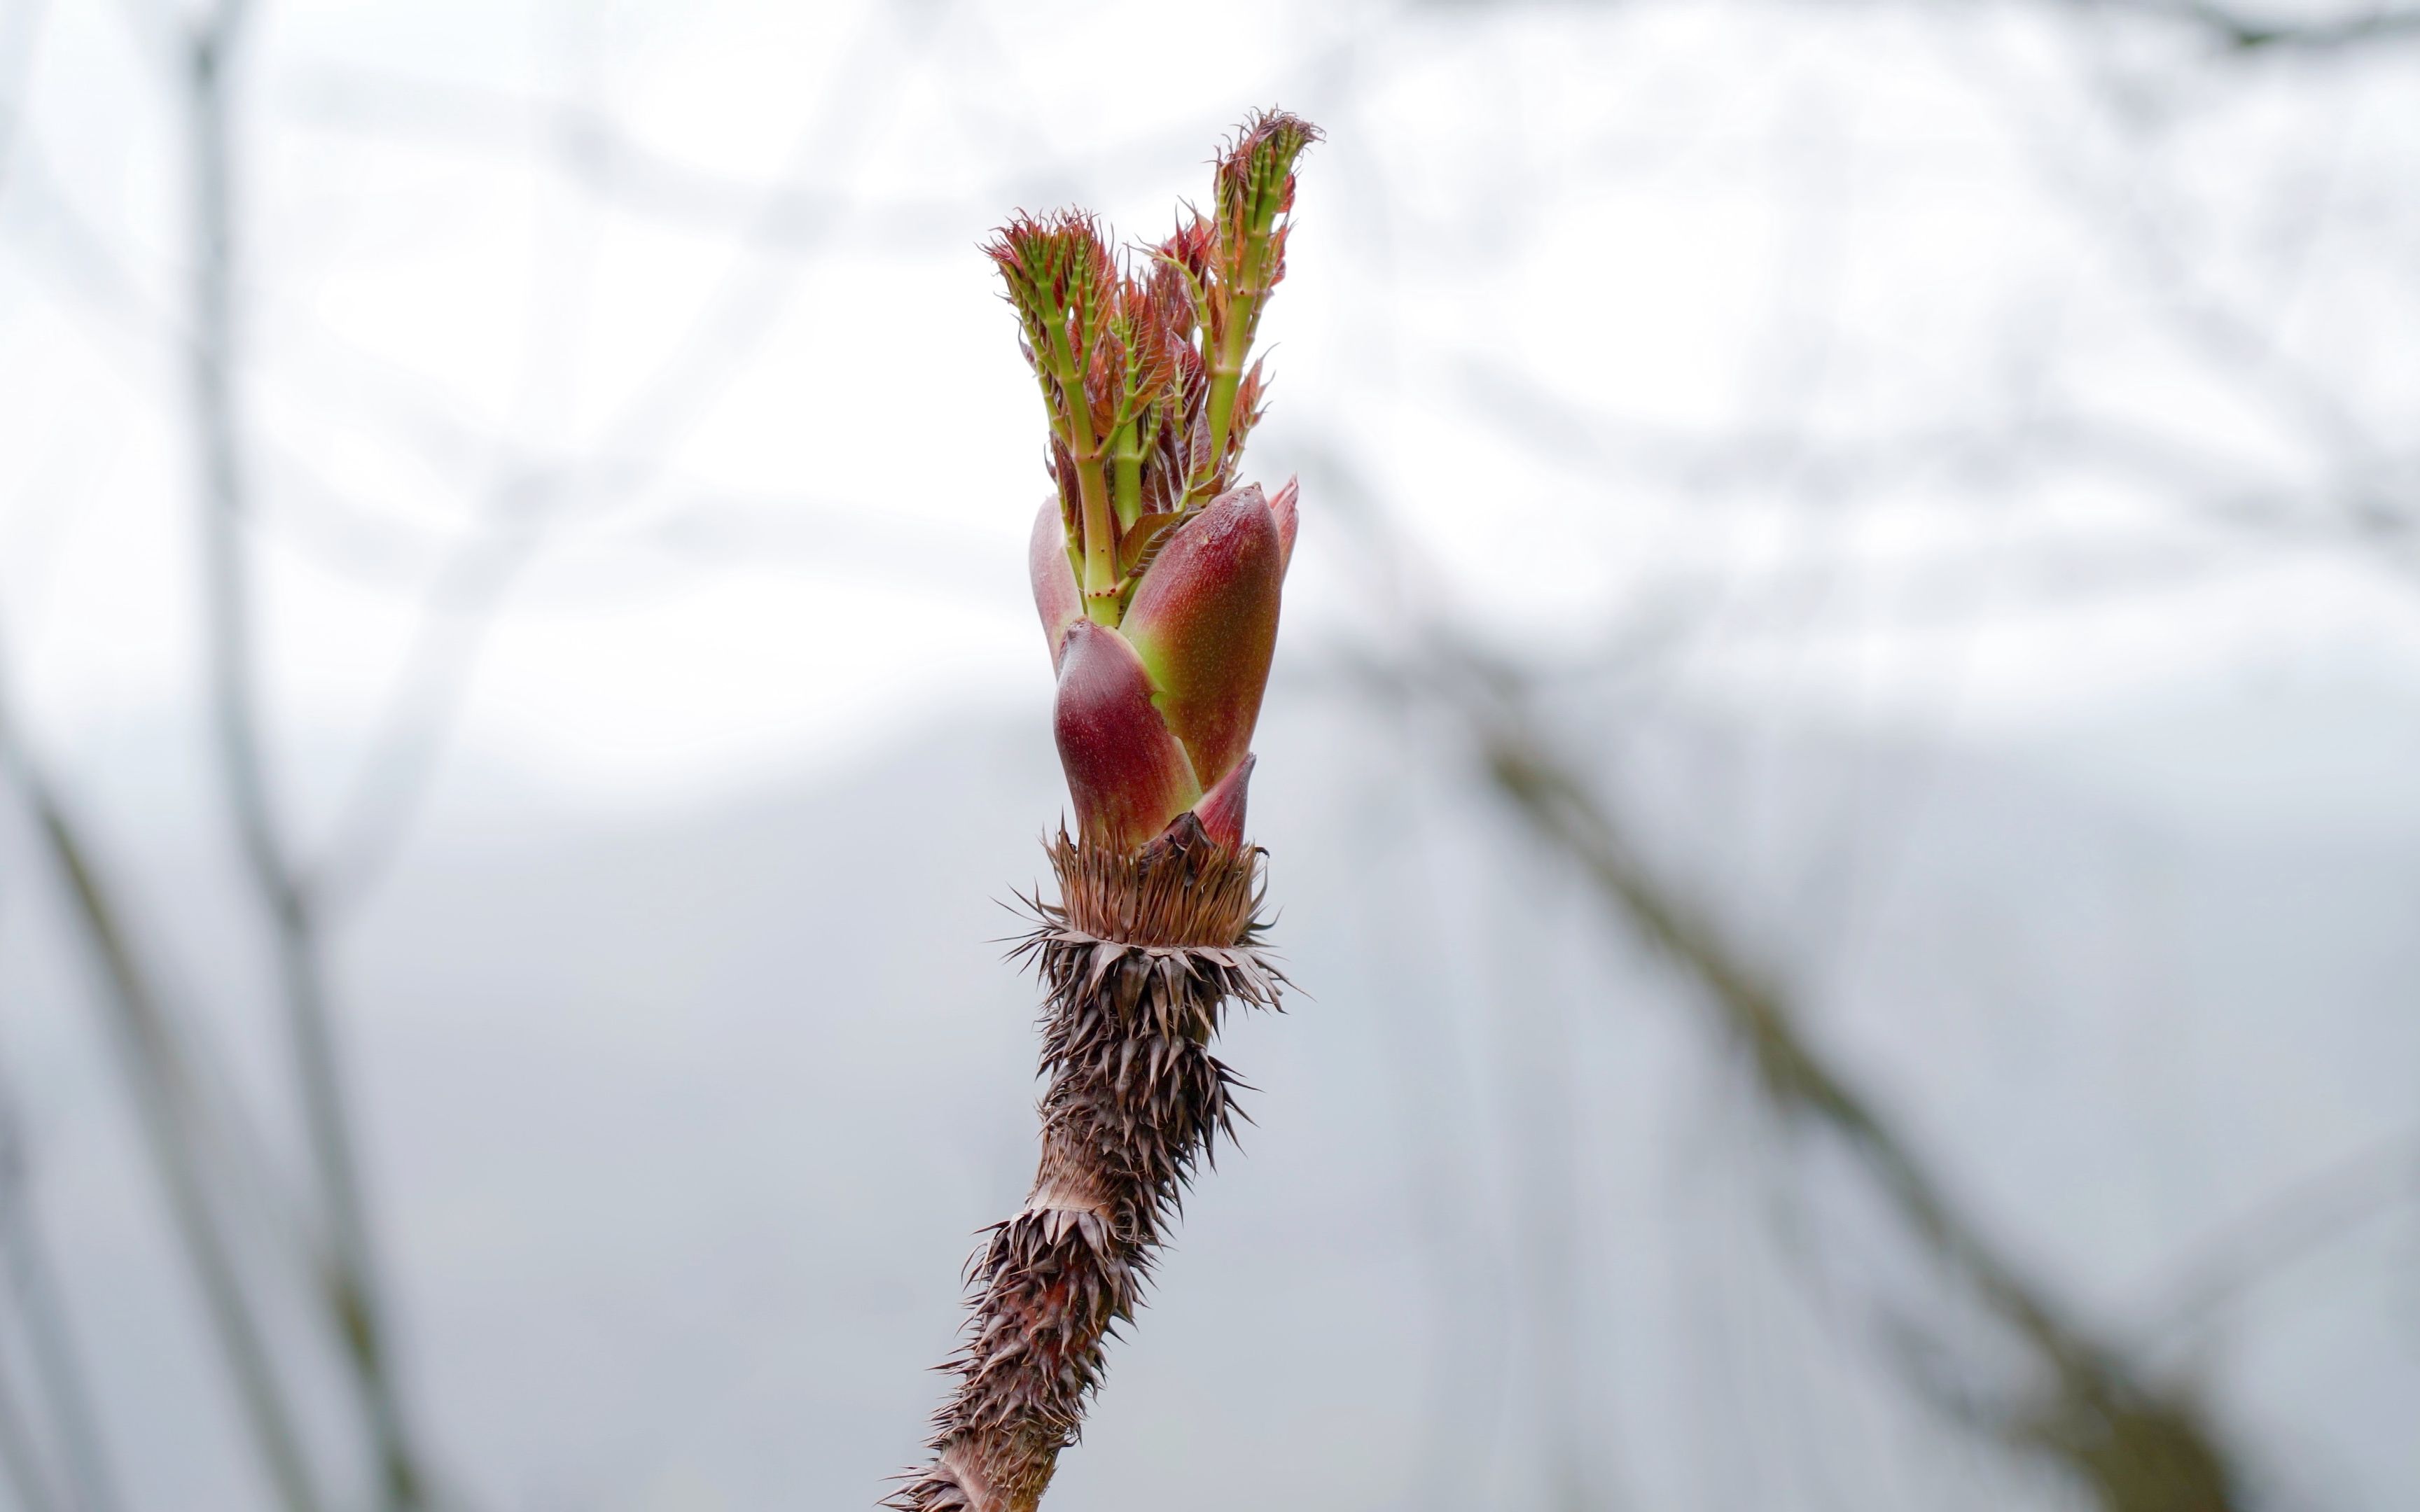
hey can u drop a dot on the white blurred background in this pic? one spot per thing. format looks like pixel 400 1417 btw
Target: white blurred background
pixel 1843 777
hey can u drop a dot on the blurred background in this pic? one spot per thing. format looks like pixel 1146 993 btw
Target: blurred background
pixel 1843 779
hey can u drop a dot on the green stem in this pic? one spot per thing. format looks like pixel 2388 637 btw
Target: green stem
pixel 1129 476
pixel 1100 539
pixel 1092 484
pixel 1235 344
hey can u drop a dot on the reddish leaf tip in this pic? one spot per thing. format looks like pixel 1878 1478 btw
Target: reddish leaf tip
pixel 1221 810
pixel 1283 505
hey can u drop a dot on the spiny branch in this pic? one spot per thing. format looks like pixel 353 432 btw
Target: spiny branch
pixel 1140 956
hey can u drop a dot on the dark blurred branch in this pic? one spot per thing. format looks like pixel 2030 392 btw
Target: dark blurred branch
pixel 2139 1447
pixel 2362 487
pixel 21 1460
pixel 2235 28
pixel 167 1102
pixel 348 1277
pixel 2361 483
pixel 596 151
pixel 57 1364
pixel 2284 1226
pixel 2361 509
pixel 791 217
pixel 2246 32
pixel 427 695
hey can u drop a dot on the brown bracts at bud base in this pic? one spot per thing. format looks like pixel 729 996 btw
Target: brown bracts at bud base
pixel 1158 579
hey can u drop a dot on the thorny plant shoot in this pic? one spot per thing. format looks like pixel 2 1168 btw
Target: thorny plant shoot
pixel 1158 579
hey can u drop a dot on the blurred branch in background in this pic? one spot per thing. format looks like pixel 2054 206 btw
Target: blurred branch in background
pixel 186 1141
pixel 297 898
pixel 2093 1401
pixel 213 56
pixel 529 496
pixel 2138 1445
pixel 2363 482
pixel 300 897
pixel 2252 31
pixel 2240 29
pixel 408 741
pixel 57 1363
pixel 2284 1226
pixel 2364 486
pixel 21 1463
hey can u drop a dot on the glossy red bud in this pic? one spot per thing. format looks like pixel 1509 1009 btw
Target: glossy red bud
pixel 1125 771
pixel 1056 597
pixel 1204 621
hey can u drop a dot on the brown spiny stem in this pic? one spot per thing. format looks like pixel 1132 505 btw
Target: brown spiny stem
pixel 1139 956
